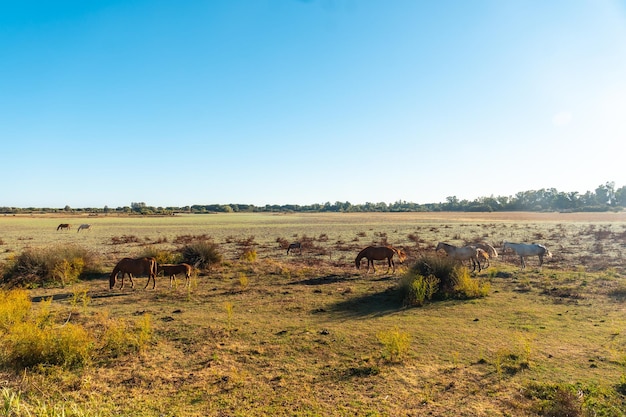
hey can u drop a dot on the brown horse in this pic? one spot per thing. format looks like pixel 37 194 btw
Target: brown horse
pixel 378 253
pixel 139 266
pixel 172 269
pixel 294 246
pixel 64 226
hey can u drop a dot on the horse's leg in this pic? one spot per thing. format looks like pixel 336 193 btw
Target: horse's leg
pixel 132 283
pixel 540 260
pixel 523 264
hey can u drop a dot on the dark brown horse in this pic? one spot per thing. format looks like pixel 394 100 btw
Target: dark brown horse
pixel 64 226
pixel 294 246
pixel 172 269
pixel 130 266
pixel 378 253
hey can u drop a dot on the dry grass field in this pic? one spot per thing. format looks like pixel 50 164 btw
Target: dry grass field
pixel 306 334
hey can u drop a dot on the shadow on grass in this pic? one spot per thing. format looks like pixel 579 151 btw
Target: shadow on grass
pixel 368 305
pixel 325 280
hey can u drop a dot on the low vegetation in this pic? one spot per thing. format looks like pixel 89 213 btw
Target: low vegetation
pixel 260 332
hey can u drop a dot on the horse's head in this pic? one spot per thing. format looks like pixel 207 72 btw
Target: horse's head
pixel 439 246
pixel 113 279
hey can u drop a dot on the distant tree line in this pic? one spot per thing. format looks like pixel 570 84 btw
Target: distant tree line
pixel 604 198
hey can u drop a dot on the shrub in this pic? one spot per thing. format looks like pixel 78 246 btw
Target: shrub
pixel 468 287
pixel 28 339
pixel 249 255
pixel 434 276
pixel 555 400
pixel 14 307
pixel 163 256
pixel 27 344
pixel 395 344
pixel 418 289
pixel 57 265
pixel 202 254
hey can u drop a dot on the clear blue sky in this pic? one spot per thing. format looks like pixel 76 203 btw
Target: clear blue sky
pixel 173 103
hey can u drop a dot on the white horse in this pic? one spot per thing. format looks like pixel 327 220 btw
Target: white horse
pixel 525 249
pixel 84 227
pixel 461 253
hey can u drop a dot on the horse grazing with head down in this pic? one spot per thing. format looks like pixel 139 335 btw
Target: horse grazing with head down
pixel 64 226
pixel 461 254
pixel 84 227
pixel 525 249
pixel 172 269
pixel 294 246
pixel 130 266
pixel 378 253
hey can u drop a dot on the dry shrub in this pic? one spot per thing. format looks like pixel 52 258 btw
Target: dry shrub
pixel 202 255
pixel 56 265
pixel 124 239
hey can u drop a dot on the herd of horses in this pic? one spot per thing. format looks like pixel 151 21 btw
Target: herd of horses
pixel 478 254
pixel 148 266
pixel 67 226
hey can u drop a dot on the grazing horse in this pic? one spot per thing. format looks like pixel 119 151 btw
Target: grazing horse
pixel 64 226
pixel 378 253
pixel 130 266
pixel 293 246
pixel 84 227
pixel 461 254
pixel 525 249
pixel 172 269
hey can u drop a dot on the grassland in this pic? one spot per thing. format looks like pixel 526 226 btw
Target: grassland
pixel 300 335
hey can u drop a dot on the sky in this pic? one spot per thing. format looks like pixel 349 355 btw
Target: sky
pixel 114 102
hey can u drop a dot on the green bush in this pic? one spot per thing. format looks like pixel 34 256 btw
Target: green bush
pixel 438 277
pixel 418 289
